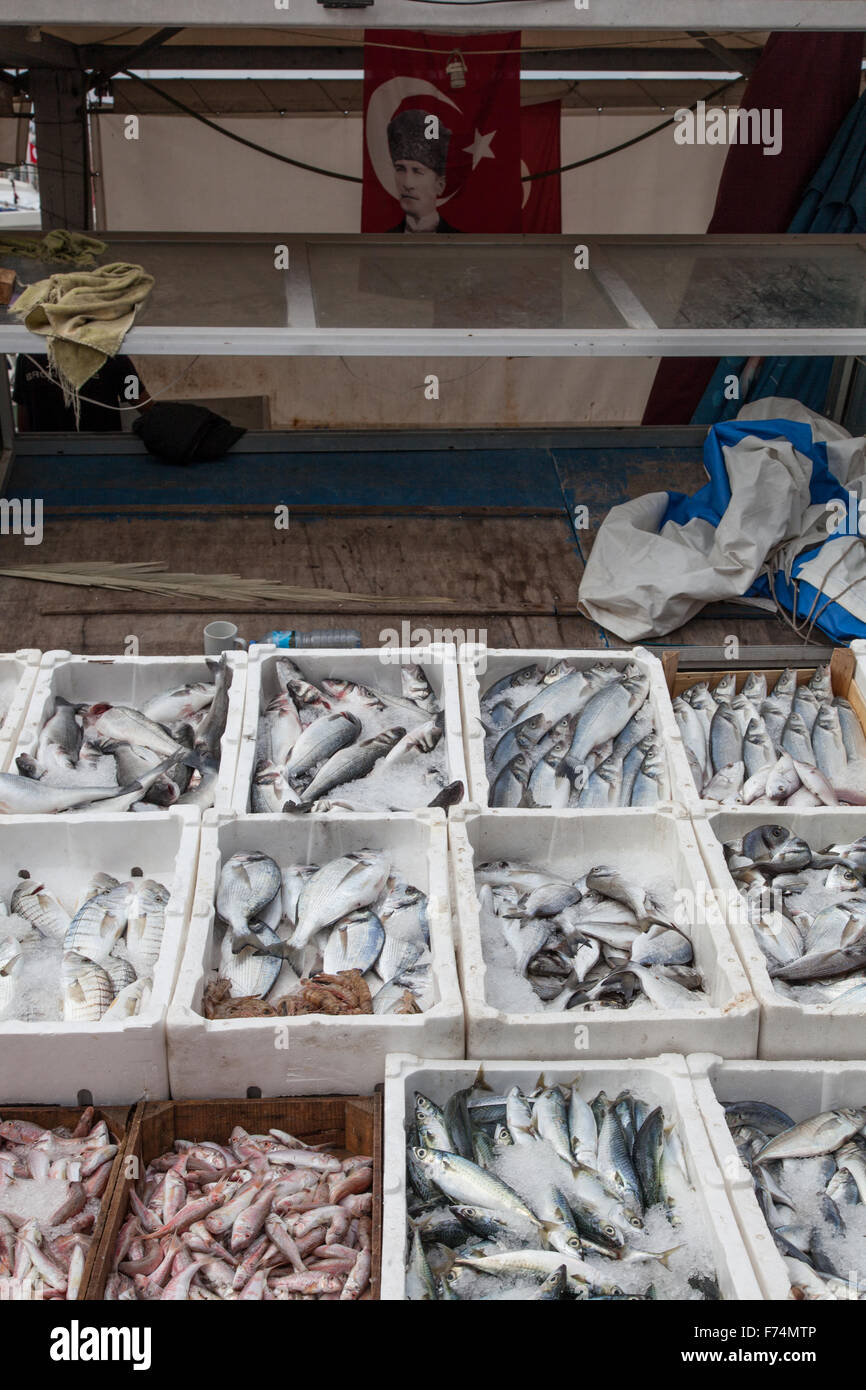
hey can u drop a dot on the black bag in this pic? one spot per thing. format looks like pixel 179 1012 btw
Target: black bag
pixel 180 433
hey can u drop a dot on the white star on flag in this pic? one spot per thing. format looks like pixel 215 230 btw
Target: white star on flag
pixel 480 147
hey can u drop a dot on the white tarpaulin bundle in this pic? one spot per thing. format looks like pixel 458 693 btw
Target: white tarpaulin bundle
pixel 776 522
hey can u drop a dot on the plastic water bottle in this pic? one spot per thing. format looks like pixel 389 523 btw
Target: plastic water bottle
pixel 319 637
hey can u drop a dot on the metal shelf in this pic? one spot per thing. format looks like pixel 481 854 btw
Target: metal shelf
pixel 469 296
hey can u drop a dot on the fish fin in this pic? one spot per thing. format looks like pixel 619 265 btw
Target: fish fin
pixel 480 1080
pixel 664 1256
pixel 248 939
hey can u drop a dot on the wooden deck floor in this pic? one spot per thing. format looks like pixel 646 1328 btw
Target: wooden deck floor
pixel 515 579
pixel 486 521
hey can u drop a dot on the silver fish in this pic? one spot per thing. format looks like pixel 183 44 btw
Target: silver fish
pixel 606 715
pixel 758 750
pixel 338 889
pixel 512 784
pixel 820 1134
pixel 352 762
pixel 128 1002
pixel 284 727
pixel 512 689
pixel 209 733
pixel 250 971
pixel 25 797
pixel 725 738
pixel 248 882
pixel 416 687
pixel 145 924
pixel 127 725
pixel 37 905
pixel 87 990
pixel 828 744
pixel 170 707
pixel 852 733
pixel 423 738
pixel 354 943
pixel 320 740
pixel 60 733
pixel 120 972
pixel 755 687
pixel 98 925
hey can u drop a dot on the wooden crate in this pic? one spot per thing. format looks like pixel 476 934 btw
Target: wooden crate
pixel 842 666
pixel 353 1124
pixel 119 1119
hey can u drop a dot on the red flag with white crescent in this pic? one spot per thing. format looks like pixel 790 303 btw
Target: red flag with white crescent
pixel 441 132
pixel 540 149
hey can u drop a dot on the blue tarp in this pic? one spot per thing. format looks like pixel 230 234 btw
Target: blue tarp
pixel 710 503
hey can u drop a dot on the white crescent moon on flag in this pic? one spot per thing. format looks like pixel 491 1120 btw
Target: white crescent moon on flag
pixel 380 110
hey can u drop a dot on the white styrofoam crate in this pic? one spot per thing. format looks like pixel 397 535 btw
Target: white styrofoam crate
pixel 787 1029
pixel 496 663
pixel 316 1054
pixel 50 1063
pixel 801 1089
pixel 376 667
pixel 565 841
pixel 133 680
pixel 17 676
pixel 660 1081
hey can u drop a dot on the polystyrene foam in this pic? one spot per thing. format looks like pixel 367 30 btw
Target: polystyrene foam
pixel 376 667
pixel 801 1089
pixel 133 680
pixel 565 841
pixel 316 1054
pixel 18 672
pixel 493 664
pixel 50 1063
pixel 662 1080
pixel 787 1028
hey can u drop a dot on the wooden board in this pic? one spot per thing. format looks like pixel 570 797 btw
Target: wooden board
pixel 352 1124
pixel 119 1119
pixel 843 664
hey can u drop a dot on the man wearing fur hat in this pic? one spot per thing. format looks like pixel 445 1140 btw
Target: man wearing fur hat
pixel 419 171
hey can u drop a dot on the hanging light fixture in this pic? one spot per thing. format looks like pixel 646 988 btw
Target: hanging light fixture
pixel 456 69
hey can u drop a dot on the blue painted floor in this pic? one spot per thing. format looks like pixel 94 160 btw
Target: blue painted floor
pixel 524 478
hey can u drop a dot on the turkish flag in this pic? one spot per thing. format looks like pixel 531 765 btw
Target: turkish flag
pixel 539 147
pixel 439 157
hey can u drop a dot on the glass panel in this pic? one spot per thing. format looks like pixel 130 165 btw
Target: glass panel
pixel 692 286
pixel 197 284
pixel 454 286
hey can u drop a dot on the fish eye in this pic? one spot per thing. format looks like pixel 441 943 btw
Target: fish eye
pixel 573 1242
pixel 610 1231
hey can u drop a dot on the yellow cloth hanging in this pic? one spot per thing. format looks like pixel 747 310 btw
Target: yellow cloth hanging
pixel 84 316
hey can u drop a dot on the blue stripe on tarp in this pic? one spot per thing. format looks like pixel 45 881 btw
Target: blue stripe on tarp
pixel 525 478
pixel 835 620
pixel 712 501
